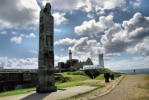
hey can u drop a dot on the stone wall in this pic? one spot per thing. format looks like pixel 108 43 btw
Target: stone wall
pixel 11 80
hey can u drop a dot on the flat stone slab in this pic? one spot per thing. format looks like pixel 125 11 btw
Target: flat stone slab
pixel 60 94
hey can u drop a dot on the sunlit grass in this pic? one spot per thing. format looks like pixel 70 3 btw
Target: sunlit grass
pixel 77 78
pixel 146 86
pixel 16 92
pixel 100 77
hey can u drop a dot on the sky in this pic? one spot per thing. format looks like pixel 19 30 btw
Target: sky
pixel 117 28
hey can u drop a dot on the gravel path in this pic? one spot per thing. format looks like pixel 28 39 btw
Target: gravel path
pixel 127 89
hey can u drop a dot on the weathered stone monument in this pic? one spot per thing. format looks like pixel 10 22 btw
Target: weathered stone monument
pixel 46 82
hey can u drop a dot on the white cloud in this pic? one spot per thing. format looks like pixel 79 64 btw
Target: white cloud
pixel 60 59
pixel 31 35
pixel 23 13
pixel 135 3
pixel 87 48
pixel 57 30
pixel 66 41
pixel 18 39
pixel 141 48
pixel 122 36
pixel 100 5
pixel 14 14
pixel 85 5
pixel 14 33
pixel 23 63
pixel 33 52
pixel 59 18
pixel 62 49
pixel 92 28
pixel 3 32
pixel 66 5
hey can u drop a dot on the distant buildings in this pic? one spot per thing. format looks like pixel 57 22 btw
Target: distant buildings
pixel 101 64
pixel 80 64
pixel 68 65
pixel 73 64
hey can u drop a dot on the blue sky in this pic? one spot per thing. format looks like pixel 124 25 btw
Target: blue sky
pixel 117 28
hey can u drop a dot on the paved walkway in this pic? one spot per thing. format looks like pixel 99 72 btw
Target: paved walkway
pixel 127 89
pixel 60 94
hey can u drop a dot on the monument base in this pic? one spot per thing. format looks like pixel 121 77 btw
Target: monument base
pixel 46 90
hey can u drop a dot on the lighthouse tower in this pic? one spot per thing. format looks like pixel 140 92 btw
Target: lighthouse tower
pixel 70 55
pixel 101 61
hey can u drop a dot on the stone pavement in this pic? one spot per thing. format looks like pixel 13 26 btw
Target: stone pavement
pixel 60 94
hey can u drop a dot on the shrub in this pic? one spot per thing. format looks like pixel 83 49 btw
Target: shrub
pixel 105 70
pixel 96 72
pixel 65 79
pixel 92 73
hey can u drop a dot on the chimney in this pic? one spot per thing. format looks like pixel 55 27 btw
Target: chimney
pixel 70 55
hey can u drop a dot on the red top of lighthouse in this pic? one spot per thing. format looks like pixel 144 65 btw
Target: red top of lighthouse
pixel 70 53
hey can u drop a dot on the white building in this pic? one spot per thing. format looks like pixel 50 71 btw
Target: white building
pixel 101 61
pixel 100 66
pixel 89 67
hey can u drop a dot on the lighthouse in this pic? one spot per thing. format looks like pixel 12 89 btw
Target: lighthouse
pixel 70 55
pixel 101 61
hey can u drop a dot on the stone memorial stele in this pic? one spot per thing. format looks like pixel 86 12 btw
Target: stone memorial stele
pixel 46 82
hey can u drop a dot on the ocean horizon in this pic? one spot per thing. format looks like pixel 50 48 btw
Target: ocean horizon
pixel 138 71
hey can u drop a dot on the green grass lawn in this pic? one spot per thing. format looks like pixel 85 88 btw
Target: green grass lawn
pixel 100 77
pixel 77 78
pixel 16 92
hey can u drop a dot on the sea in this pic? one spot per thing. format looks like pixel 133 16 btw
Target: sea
pixel 137 71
